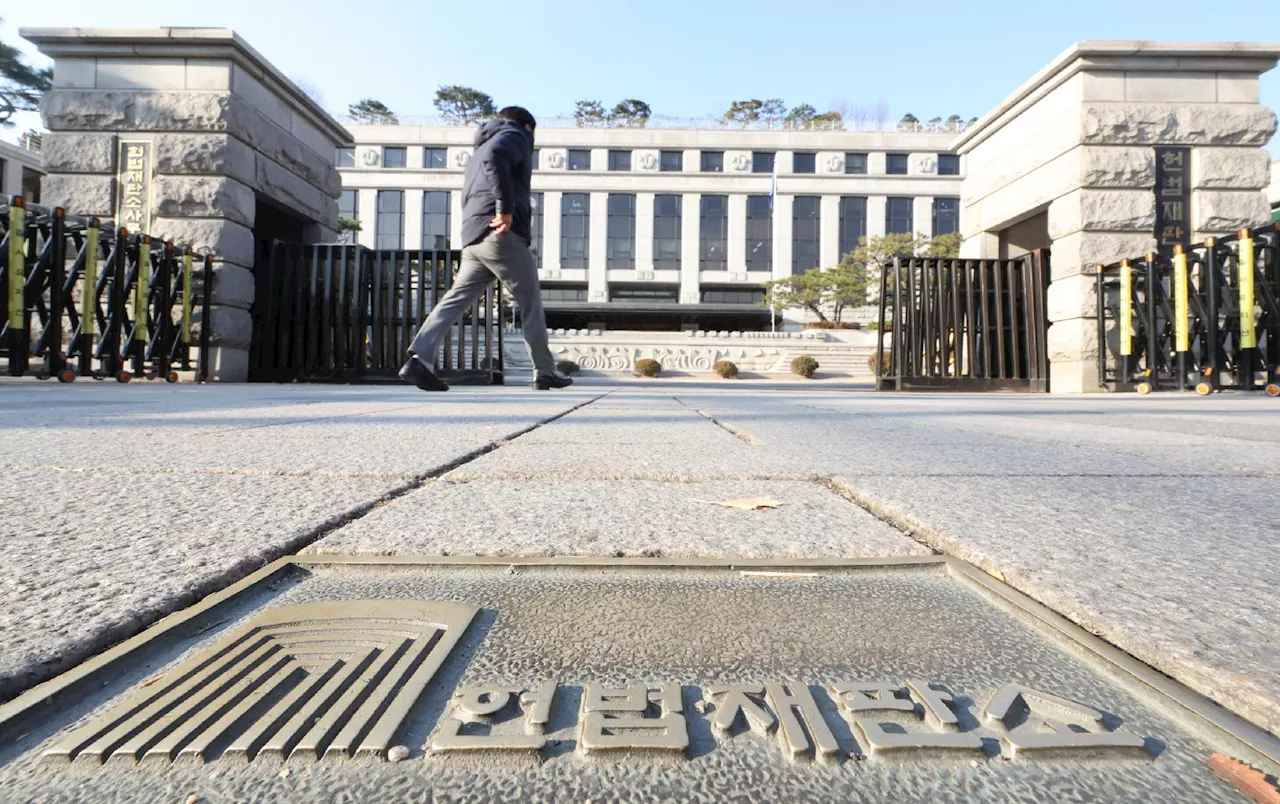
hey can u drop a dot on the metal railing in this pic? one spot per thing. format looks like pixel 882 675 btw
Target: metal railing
pixel 1207 317
pixel 82 298
pixel 345 313
pixel 964 324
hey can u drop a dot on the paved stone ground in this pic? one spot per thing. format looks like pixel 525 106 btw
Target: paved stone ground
pixel 1150 521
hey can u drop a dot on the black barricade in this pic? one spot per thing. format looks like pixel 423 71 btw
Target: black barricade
pixel 1205 318
pixel 345 313
pixel 81 298
pixel 964 325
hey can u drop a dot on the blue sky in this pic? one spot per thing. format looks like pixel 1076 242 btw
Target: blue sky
pixel 686 58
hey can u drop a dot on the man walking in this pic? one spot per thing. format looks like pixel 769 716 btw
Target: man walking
pixel 496 229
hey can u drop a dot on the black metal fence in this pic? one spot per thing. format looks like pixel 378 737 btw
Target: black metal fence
pixel 82 298
pixel 1207 317
pixel 964 324
pixel 345 313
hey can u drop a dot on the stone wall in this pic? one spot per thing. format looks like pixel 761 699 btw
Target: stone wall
pixel 1076 146
pixel 229 132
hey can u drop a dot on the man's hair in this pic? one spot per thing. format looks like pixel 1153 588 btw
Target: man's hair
pixel 518 114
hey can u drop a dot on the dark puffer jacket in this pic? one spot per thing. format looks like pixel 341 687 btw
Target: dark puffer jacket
pixel 497 180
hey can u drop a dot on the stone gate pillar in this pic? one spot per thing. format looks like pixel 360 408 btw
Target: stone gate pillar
pixel 228 133
pixel 1068 162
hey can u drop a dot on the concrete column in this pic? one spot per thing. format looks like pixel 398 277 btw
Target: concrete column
pixel 1076 148
pixel 829 231
pixel 644 231
pixel 225 128
pixel 922 215
pixel 736 248
pixel 597 277
pixel 368 208
pixel 877 206
pixel 783 225
pixel 455 221
pixel 690 221
pixel 551 213
pixel 413 217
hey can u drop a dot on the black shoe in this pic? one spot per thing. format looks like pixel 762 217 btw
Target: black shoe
pixel 416 373
pixel 545 382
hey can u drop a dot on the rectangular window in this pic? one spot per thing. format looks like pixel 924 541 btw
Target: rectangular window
pixel 805 231
pixel 435 219
pixel 752 297
pixel 619 160
pixel 435 158
pixel 671 161
pixel 535 163
pixel 895 164
pixel 946 216
pixel 535 228
pixel 620 248
pixel 394 157
pixel 564 293
pixel 898 216
pixel 853 223
pixel 645 294
pixel 346 157
pixel 713 161
pixel 713 233
pixel 762 162
pixel 349 208
pixel 575 229
pixel 855 163
pixel 948 165
pixel 578 159
pixel 389 229
pixel 759 233
pixel 804 163
pixel 666 232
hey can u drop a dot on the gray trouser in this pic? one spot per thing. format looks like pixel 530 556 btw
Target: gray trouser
pixel 507 257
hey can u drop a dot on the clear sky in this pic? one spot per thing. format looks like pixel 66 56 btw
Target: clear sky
pixel 686 58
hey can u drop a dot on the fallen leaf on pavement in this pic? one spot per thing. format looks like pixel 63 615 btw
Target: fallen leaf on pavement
pixel 747 504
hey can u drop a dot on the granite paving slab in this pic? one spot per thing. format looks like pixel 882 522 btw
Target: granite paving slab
pixel 707 458
pixel 488 517
pixel 1181 572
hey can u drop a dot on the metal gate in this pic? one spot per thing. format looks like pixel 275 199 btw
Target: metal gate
pixel 346 313
pixel 964 325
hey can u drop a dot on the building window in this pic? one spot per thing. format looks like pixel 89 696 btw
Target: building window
pixel 855 163
pixel 895 164
pixel 349 208
pixel 620 248
pixel 618 160
pixel 536 163
pixel 853 223
pixel 898 216
pixel 948 165
pixel 435 219
pixel 346 157
pixel 804 163
pixel 713 161
pixel 646 294
pixel 389 229
pixel 435 158
pixel 713 233
pixel 394 157
pixel 946 216
pixel 575 229
pixel 805 231
pixel 535 228
pixel 759 233
pixel 762 162
pixel 752 297
pixel 671 161
pixel 578 160
pixel 666 232
pixel 564 293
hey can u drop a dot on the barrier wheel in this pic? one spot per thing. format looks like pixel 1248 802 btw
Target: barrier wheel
pixel 1204 388
pixel 1143 388
pixel 171 377
pixel 67 375
pixel 124 376
pixel 1273 389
